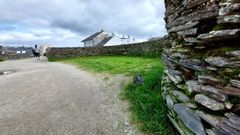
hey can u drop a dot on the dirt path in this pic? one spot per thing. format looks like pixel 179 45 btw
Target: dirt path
pixel 41 98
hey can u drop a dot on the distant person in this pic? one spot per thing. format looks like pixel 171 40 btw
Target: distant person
pixel 36 52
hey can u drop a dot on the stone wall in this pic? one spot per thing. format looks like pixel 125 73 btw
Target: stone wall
pixel 201 80
pixel 153 48
pixel 13 56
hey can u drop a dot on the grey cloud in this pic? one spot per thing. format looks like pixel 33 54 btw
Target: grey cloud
pixel 73 26
pixel 140 18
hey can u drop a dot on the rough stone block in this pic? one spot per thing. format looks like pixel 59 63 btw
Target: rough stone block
pixel 169 101
pixel 188 32
pixel 193 86
pixel 214 121
pixel 211 132
pixel 228 7
pixel 235 83
pixel 183 27
pixel 229 19
pixel 233 118
pixel 206 13
pixel 231 91
pixel 209 103
pixel 190 119
pixel 222 62
pixel 176 78
pixel 220 35
pixel 227 130
pixel 209 80
pixel 180 96
pixel 193 64
pixel 214 93
pixel 234 53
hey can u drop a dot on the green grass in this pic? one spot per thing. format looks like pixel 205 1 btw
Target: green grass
pixel 146 103
pixel 114 64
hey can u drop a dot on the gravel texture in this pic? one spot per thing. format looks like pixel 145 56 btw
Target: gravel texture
pixel 42 98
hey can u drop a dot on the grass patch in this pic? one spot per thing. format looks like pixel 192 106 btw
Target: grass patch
pixel 147 105
pixel 146 101
pixel 114 64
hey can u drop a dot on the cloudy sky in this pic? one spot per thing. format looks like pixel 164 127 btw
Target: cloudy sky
pixel 68 22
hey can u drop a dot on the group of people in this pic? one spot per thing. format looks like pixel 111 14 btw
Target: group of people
pixel 36 52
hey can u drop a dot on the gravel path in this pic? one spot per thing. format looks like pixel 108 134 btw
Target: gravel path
pixel 42 98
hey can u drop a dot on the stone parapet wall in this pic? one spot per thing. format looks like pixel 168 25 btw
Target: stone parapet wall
pixel 201 80
pixel 13 56
pixel 151 48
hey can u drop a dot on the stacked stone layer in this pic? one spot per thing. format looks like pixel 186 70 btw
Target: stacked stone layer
pixel 201 80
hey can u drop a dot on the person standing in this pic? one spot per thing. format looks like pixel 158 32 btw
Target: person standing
pixel 37 51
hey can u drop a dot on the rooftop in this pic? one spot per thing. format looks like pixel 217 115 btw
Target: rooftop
pixel 92 36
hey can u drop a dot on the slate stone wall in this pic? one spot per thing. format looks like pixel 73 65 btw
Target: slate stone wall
pixel 12 56
pixel 151 48
pixel 201 80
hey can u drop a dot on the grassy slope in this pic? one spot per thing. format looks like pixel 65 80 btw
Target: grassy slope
pixel 146 103
pixel 114 64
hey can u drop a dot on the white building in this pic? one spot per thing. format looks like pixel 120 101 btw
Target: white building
pixel 103 38
pixel 97 39
pixel 120 40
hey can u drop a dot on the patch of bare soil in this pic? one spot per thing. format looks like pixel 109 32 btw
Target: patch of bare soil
pixel 113 85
